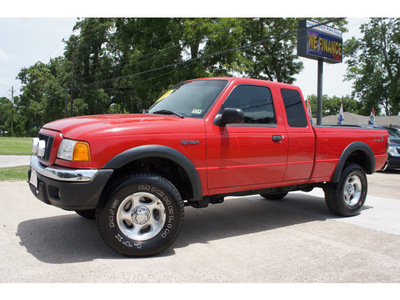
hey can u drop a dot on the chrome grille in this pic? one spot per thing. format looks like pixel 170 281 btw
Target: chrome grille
pixel 49 144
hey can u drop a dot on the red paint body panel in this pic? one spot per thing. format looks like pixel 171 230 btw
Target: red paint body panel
pixel 230 158
pixel 331 142
pixel 241 157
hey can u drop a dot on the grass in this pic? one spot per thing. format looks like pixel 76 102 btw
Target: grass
pixel 15 146
pixel 14 173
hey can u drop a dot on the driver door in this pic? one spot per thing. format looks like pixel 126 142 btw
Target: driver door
pixel 250 155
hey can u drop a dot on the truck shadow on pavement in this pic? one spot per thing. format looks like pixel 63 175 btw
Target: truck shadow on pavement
pixel 252 214
pixel 63 239
pixel 71 238
pixel 239 217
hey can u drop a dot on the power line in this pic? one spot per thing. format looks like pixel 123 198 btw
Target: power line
pixel 151 78
pixel 48 55
pixel 181 63
pixel 155 54
pixel 247 45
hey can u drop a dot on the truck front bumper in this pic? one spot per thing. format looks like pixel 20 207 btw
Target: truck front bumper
pixel 67 188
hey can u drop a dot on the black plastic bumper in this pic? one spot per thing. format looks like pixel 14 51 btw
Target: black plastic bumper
pixel 67 194
pixel 394 162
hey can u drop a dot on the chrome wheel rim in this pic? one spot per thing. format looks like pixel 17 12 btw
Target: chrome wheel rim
pixel 141 216
pixel 352 190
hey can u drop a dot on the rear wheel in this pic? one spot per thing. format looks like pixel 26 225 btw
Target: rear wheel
pixel 142 215
pixel 347 197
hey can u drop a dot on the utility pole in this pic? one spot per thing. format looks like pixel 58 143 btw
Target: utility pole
pixel 12 111
pixel 66 101
pixel 319 91
pixel 73 79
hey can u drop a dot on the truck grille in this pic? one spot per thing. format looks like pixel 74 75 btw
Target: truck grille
pixel 49 144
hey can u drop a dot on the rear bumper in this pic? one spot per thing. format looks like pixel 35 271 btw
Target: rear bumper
pixel 66 188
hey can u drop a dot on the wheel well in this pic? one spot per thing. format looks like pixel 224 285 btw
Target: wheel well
pixel 358 153
pixel 361 158
pixel 163 167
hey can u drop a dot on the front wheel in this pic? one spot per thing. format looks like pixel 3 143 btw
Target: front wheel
pixel 347 197
pixel 142 215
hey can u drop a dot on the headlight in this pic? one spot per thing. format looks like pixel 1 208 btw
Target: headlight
pixel 74 150
pixel 39 147
pixel 392 150
pixel 35 145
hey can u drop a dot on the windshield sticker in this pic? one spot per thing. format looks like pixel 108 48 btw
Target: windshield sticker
pixel 165 95
pixel 197 111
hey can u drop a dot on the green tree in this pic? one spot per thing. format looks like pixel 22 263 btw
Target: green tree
pixel 331 105
pixel 121 65
pixel 274 58
pixel 133 60
pixel 87 62
pixel 5 115
pixel 374 65
pixel 42 97
pixel 10 121
pixel 32 104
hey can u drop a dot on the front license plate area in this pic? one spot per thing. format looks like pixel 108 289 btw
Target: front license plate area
pixel 33 179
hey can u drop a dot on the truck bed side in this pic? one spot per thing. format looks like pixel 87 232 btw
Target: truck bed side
pixel 336 146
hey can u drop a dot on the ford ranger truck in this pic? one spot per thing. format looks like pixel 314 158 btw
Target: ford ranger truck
pixel 203 140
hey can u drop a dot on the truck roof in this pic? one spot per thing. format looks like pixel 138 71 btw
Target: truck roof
pixel 248 80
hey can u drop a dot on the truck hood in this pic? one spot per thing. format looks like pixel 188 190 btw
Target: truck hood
pixel 82 128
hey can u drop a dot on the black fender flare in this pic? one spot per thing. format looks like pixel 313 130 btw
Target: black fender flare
pixel 356 146
pixel 160 151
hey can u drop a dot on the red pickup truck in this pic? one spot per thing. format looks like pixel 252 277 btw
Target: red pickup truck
pixel 201 141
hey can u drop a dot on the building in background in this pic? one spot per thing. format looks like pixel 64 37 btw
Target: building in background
pixel 354 119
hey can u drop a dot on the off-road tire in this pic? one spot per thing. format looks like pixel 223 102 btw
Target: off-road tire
pixel 141 215
pixel 347 197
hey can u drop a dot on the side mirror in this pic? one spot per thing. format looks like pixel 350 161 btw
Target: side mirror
pixel 229 115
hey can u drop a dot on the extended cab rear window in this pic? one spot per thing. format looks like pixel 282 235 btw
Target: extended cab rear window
pixel 294 108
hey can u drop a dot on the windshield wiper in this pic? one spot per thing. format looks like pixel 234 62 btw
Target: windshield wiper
pixel 168 112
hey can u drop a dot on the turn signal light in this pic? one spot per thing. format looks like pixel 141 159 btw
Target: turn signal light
pixel 81 152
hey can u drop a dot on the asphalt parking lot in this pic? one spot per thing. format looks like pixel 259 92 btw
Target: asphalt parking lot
pixel 245 239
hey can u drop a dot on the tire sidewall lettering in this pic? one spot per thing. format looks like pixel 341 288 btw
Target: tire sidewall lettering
pixel 111 217
pixel 114 228
pixel 169 210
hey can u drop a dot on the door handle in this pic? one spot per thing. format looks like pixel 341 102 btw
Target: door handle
pixel 277 138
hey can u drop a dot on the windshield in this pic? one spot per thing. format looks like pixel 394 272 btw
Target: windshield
pixel 394 134
pixel 189 99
